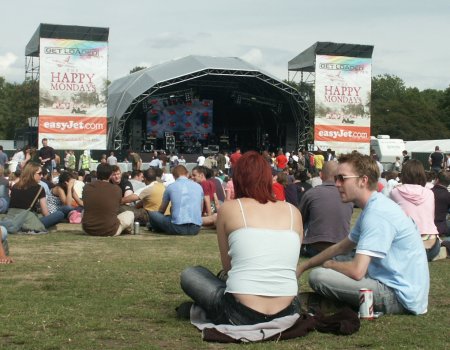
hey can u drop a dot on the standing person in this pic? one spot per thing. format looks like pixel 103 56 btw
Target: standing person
pixel 136 161
pixel 3 157
pixel 448 162
pixel 186 199
pixel 181 161
pixel 436 160
pixel 405 156
pixel 71 161
pixel 66 159
pixel 281 161
pixel 258 253
pixel 111 160
pixel 234 159
pixel 319 160
pixel 227 163
pixel 17 159
pixel 221 161
pixel 201 160
pixel 85 161
pixel 46 155
pixel 101 217
pixel 389 259
pixel 417 202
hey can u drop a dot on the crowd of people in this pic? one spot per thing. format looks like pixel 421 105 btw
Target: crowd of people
pixel 268 210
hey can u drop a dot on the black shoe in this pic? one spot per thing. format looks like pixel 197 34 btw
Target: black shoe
pixel 184 310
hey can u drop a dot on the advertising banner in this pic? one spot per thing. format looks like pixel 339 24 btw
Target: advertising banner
pixel 73 93
pixel 342 104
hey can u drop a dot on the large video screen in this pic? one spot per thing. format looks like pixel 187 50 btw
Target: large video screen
pixel 188 119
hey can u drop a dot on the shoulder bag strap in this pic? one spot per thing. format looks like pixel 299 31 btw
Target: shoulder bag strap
pixel 35 198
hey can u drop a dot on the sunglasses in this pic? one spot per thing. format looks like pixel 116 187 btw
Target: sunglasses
pixel 39 173
pixel 342 178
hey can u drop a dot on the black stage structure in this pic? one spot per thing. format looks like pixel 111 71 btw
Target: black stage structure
pixel 252 109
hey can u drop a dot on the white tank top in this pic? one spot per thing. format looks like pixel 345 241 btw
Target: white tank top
pixel 263 261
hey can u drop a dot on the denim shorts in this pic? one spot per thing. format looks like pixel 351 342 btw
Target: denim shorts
pixel 239 314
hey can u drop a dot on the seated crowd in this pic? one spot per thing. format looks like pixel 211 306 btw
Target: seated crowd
pixel 268 211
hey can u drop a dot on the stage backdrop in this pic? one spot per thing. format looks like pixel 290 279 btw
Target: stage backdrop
pixel 188 119
pixel 73 93
pixel 342 104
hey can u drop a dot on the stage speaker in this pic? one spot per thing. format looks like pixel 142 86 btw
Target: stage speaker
pixel 291 138
pixel 136 134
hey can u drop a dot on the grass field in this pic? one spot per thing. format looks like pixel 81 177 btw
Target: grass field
pixel 70 291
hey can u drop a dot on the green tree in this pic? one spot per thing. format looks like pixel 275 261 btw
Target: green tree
pixel 406 113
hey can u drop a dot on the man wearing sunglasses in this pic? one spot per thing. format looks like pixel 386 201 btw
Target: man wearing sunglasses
pixel 389 257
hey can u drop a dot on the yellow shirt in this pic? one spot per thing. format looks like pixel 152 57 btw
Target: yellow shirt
pixel 318 161
pixel 152 195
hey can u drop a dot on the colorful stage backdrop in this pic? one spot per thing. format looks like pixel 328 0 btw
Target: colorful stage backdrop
pixel 188 119
pixel 342 103
pixel 73 93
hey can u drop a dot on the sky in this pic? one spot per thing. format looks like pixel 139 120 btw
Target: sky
pixel 411 38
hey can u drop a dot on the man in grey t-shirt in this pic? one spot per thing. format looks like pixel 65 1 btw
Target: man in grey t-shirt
pixel 326 218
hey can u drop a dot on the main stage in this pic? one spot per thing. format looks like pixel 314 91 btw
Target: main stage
pixel 194 102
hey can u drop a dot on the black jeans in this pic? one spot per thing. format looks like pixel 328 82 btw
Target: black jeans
pixel 208 291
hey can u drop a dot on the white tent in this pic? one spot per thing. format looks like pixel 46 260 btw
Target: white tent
pixel 427 146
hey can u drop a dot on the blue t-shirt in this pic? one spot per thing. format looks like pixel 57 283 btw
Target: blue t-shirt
pixel 384 232
pixel 186 198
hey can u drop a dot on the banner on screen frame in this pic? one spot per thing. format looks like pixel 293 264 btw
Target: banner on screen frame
pixel 342 103
pixel 73 93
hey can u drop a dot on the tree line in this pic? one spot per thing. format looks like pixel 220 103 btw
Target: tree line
pixel 396 110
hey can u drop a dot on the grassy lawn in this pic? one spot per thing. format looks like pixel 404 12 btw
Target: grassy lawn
pixel 70 291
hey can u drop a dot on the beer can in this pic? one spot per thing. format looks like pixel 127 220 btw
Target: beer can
pixel 366 304
pixel 136 228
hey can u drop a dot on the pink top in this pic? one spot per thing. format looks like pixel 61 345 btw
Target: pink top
pixel 418 203
pixel 229 190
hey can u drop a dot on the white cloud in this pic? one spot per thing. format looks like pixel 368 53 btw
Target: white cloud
pixel 254 56
pixel 6 61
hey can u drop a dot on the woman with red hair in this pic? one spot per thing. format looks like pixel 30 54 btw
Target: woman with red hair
pixel 259 241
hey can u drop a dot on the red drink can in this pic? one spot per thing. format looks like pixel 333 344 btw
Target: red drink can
pixel 366 304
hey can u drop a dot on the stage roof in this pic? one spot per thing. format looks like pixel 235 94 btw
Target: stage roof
pixel 306 61
pixel 123 91
pixel 225 73
pixel 58 31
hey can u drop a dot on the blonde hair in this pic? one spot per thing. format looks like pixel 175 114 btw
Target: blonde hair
pixel 27 179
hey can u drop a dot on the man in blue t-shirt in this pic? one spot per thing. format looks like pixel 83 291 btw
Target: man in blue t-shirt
pixel 390 258
pixel 186 199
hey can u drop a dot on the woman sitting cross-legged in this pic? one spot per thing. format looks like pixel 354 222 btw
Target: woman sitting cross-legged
pixel 259 241
pixel 25 191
